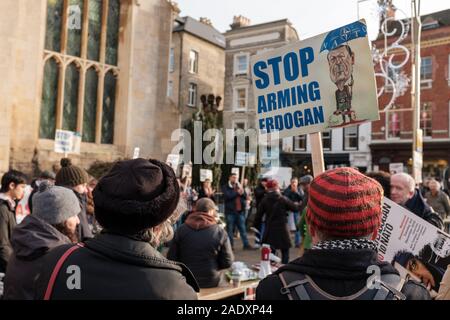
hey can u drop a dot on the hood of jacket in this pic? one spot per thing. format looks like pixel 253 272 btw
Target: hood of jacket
pixel 200 220
pixel 338 264
pixel 34 237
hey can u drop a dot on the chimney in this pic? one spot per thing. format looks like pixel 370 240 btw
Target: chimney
pixel 239 22
pixel 206 21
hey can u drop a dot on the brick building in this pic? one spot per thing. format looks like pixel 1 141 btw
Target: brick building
pixel 392 135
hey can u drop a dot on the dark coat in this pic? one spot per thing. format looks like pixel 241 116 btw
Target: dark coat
pixel 31 240
pixel 204 252
pixel 276 207
pixel 117 267
pixel 7 225
pixel 202 194
pixel 419 207
pixel 337 272
pixel 84 231
pixel 297 196
pixel 259 193
pixel 230 196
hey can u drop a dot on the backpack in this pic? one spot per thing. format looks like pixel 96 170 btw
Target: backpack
pixel 298 286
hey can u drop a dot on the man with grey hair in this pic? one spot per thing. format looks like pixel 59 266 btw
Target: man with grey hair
pixel 405 193
pixel 438 199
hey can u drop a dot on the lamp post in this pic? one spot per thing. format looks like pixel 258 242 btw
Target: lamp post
pixel 417 149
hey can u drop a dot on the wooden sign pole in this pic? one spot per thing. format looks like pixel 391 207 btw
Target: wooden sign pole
pixel 317 153
pixel 242 176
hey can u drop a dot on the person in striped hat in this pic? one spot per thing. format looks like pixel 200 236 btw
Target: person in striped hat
pixel 343 216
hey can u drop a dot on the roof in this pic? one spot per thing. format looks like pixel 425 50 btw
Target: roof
pixel 200 30
pixel 252 26
pixel 429 21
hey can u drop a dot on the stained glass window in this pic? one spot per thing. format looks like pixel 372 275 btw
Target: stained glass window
pixel 49 100
pixel 54 20
pixel 95 29
pixel 79 13
pixel 74 25
pixel 109 99
pixel 71 98
pixel 112 40
pixel 90 106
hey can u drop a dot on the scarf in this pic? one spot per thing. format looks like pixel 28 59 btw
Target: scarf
pixel 200 220
pixel 11 202
pixel 347 244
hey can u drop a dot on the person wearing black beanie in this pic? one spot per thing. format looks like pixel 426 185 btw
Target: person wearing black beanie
pixel 136 203
pixel 76 179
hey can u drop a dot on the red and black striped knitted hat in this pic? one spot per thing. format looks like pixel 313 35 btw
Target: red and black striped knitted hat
pixel 344 203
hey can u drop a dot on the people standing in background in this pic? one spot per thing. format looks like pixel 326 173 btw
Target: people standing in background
pixel 76 179
pixel 207 191
pixel 275 207
pixel 295 194
pixel 438 199
pixel 405 193
pixel 235 199
pixel 12 189
pixel 202 245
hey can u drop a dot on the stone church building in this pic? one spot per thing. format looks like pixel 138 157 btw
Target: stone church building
pixel 96 67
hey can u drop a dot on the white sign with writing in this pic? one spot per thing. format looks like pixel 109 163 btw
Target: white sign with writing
pixel 309 86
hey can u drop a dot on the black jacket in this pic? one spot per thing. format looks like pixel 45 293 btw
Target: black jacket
pixel 259 193
pixel 84 231
pixel 294 196
pixel 337 272
pixel 7 225
pixel 230 196
pixel 31 240
pixel 204 252
pixel 419 207
pixel 276 207
pixel 202 194
pixel 114 267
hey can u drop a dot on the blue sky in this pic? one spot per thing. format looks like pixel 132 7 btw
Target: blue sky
pixel 309 17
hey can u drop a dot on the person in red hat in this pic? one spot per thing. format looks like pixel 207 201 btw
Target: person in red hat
pixel 343 215
pixel 275 208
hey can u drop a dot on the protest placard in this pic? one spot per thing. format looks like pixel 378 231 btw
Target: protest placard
pixel 410 241
pixel 67 142
pixel 316 84
pixel 206 174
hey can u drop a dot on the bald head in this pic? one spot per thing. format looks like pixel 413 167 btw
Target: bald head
pixel 402 188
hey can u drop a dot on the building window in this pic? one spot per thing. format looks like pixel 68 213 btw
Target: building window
pixel 240 124
pixel 393 123
pixel 170 88
pixel 351 138
pixel 448 70
pixel 172 60
pixel 426 119
pixel 193 61
pixel 78 65
pixel 326 140
pixel 241 63
pixel 192 95
pixel 240 99
pixel 426 72
pixel 300 143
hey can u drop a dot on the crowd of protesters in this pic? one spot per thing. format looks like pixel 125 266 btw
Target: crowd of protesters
pixel 113 230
